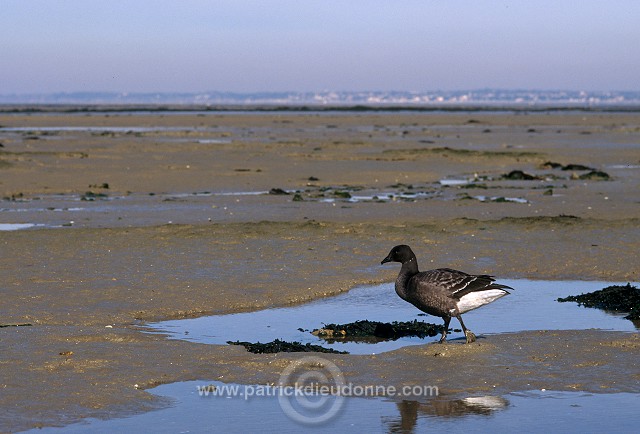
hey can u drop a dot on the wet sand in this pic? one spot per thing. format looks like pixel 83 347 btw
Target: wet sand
pixel 88 286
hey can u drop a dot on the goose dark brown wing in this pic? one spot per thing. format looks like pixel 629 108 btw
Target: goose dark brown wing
pixel 458 283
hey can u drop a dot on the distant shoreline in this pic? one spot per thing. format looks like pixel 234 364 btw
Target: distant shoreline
pixel 310 108
pixel 326 100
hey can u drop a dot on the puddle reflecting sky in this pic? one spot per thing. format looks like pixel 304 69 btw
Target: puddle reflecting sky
pixel 15 226
pixel 531 306
pixel 572 412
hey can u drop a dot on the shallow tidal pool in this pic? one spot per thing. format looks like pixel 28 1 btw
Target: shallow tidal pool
pixel 528 411
pixel 241 408
pixel 531 305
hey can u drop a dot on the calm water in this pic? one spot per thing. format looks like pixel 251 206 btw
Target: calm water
pixel 570 412
pixel 531 305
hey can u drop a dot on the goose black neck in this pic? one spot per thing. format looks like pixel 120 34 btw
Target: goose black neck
pixel 410 267
pixel 408 270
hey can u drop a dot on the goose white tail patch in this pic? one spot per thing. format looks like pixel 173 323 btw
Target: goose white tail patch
pixel 474 300
pixel 487 402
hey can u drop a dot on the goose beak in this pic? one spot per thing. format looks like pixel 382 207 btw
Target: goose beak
pixel 387 259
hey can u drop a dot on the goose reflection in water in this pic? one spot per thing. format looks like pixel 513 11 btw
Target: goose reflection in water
pixel 410 411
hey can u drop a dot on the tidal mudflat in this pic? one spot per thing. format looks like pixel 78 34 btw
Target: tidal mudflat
pixel 121 220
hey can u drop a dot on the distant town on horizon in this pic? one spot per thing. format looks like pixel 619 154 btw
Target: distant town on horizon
pixel 426 98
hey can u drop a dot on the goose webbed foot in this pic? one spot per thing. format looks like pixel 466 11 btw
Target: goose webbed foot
pixel 467 333
pixel 470 336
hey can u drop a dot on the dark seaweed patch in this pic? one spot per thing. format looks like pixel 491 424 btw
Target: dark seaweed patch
pixel 278 191
pixel 278 346
pixel 366 329
pixel 616 298
pixel 91 196
pixel 551 165
pixel 570 166
pixel 104 185
pixel 519 175
pixel 595 175
pixel 560 219
pixel 462 152
pixel 342 194
pixel 576 167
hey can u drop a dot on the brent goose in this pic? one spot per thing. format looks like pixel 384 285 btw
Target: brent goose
pixel 443 292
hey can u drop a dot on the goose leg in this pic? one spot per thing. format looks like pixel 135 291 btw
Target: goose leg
pixel 447 320
pixel 467 333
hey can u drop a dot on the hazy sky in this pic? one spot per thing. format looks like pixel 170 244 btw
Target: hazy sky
pixel 308 45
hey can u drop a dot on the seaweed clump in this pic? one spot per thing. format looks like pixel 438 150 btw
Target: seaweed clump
pixel 279 346
pixel 91 196
pixel 596 175
pixel 616 298
pixel 519 175
pixel 367 329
